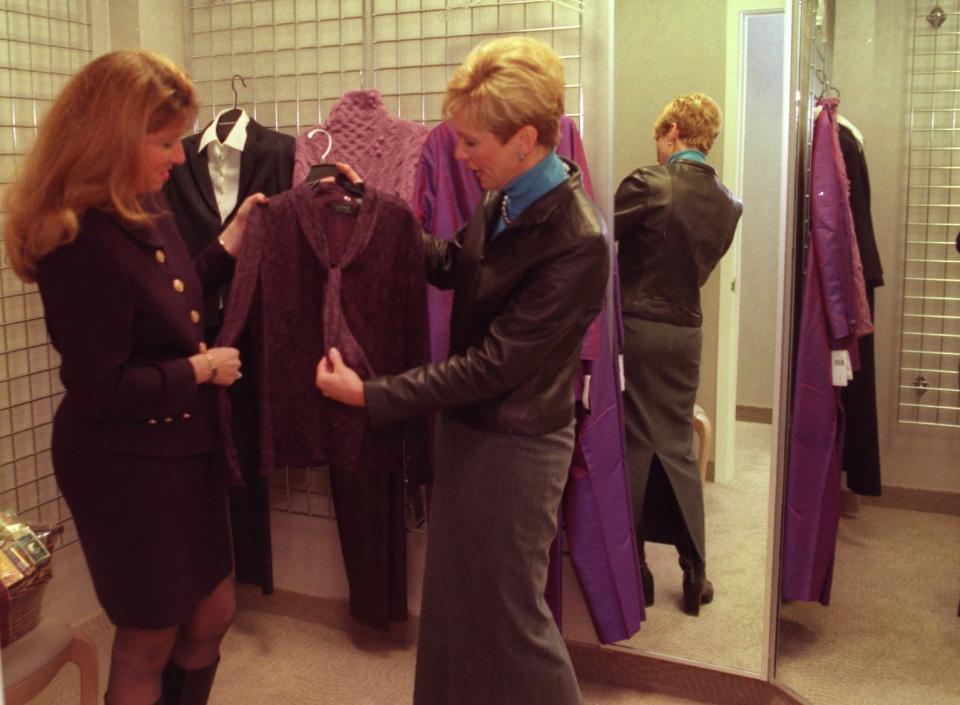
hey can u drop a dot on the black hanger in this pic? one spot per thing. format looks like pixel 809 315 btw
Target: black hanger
pixel 229 118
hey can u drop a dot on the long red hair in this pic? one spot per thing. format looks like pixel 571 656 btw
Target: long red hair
pixel 89 152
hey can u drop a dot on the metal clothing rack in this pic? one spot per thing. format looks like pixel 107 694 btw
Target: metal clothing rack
pixel 930 323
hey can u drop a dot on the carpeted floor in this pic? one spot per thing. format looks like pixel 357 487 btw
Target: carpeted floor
pixel 890 637
pixel 729 631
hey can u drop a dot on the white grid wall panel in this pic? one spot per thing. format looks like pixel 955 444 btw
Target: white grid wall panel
pixel 930 326
pixel 42 44
pixel 299 56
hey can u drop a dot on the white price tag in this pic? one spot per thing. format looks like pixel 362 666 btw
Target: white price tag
pixel 841 368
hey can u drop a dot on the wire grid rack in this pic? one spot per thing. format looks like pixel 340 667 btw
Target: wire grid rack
pixel 930 326
pixel 298 57
pixel 42 43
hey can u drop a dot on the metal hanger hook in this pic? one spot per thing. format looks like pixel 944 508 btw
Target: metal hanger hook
pixel 233 86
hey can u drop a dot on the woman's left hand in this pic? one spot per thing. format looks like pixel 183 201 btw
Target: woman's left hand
pixel 232 236
pixel 337 381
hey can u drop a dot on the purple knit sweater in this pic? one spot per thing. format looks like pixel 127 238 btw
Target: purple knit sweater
pixel 383 149
pixel 310 277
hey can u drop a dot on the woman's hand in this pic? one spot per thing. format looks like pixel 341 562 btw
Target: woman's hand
pixel 232 236
pixel 219 366
pixel 348 171
pixel 337 381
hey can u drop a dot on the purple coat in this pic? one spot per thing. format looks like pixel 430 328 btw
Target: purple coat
pixel 596 505
pixel 828 321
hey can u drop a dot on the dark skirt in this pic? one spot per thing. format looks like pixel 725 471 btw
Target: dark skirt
pixel 154 531
pixel 662 370
pixel 486 633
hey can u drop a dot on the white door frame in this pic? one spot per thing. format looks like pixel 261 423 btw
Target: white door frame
pixel 729 309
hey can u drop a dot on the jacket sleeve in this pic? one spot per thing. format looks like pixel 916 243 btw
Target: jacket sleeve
pixel 548 308
pixel 441 259
pixel 89 307
pixel 214 267
pixel 636 204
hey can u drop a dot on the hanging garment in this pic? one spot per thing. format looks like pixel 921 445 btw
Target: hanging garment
pixel 265 165
pixel 304 283
pixel 828 322
pixel 861 445
pixel 596 505
pixel 383 149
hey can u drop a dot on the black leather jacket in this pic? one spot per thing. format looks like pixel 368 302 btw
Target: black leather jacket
pixel 522 304
pixel 673 222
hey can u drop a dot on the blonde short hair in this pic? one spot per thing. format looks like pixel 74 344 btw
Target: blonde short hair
pixel 697 117
pixel 89 151
pixel 509 83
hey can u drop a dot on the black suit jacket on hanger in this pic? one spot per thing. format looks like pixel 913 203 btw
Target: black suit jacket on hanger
pixel 266 166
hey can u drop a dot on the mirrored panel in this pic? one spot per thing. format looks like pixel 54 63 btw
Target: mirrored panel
pixel 733 52
pixel 871 536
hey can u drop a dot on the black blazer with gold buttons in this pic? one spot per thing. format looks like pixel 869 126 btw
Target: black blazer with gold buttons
pixel 123 308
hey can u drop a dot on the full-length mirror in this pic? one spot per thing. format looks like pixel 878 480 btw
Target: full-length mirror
pixel 871 556
pixel 733 52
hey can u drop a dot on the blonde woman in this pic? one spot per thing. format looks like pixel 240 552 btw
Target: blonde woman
pixel 135 442
pixel 674 221
pixel 528 274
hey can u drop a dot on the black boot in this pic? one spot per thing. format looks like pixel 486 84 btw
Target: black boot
pixel 646 577
pixel 183 687
pixel 697 589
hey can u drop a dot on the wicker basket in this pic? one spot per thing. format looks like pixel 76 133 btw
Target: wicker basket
pixel 22 613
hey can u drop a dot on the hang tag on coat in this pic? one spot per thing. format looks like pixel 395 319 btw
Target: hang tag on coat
pixel 841 367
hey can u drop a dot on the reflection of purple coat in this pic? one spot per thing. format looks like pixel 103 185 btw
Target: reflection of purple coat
pixel 596 504
pixel 828 321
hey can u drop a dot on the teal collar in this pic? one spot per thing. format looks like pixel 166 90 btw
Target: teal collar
pixel 691 155
pixel 549 173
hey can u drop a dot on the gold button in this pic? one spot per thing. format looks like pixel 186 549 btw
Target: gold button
pixel 185 415
pixel 203 347
pixel 168 419
pixel 178 286
pixel 152 422
pixel 195 316
pixel 161 257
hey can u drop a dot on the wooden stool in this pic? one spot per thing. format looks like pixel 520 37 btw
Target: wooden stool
pixel 31 662
pixel 701 424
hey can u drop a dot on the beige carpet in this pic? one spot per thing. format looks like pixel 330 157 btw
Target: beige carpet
pixel 272 660
pixel 729 631
pixel 891 635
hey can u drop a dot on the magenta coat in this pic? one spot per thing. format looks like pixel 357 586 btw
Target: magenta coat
pixel 828 321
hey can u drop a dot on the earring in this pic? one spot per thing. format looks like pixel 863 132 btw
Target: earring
pixel 521 155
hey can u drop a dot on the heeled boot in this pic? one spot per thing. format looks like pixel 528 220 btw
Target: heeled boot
pixel 646 577
pixel 697 590
pixel 183 687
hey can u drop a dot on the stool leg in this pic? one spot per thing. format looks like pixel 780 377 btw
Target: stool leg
pixel 84 654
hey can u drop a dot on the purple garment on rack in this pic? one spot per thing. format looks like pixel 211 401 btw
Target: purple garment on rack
pixel 828 322
pixel 445 194
pixel 596 507
pixel 381 148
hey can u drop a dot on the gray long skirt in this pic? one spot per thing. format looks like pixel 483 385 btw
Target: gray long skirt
pixel 662 370
pixel 487 636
